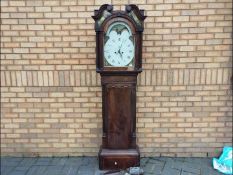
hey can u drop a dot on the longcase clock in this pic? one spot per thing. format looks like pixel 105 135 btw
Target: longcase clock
pixel 119 60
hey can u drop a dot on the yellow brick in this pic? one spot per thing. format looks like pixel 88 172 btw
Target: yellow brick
pixel 17 3
pixel 36 27
pixel 67 130
pixel 43 9
pixel 59 145
pixel 181 18
pixel 51 120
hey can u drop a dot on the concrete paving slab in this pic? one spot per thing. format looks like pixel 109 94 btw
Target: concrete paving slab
pixel 18 172
pixel 22 168
pixel 170 171
pixel 70 170
pixel 27 162
pixel 59 161
pixel 36 170
pixel 5 170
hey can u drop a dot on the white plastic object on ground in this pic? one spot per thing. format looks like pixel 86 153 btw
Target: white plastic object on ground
pixel 224 163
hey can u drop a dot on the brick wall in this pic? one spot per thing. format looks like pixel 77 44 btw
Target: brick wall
pixel 51 95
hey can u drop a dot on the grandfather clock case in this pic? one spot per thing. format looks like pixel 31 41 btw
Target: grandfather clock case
pixel 119 61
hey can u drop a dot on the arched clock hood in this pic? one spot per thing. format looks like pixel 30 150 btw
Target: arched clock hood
pixel 134 18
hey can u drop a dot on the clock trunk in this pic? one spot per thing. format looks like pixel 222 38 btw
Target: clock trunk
pixel 119 121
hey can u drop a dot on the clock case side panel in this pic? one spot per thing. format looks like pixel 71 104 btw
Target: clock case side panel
pixel 104 120
pixel 99 54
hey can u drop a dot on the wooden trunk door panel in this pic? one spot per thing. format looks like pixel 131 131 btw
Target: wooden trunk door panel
pixel 119 105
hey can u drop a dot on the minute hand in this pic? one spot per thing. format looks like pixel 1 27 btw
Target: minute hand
pixel 122 43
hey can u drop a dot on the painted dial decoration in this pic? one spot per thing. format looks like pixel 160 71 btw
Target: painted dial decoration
pixel 119 46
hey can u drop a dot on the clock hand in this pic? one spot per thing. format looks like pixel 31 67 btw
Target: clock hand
pixel 120 53
pixel 122 43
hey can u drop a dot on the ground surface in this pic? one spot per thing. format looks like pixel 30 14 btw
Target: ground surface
pixel 89 166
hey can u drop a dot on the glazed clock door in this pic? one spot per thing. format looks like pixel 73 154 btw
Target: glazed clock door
pixel 120 105
pixel 119 46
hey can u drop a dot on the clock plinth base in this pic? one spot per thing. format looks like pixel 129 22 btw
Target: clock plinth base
pixel 116 159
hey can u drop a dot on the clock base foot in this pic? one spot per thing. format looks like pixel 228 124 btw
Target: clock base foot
pixel 118 159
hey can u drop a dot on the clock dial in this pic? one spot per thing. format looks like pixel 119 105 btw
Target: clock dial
pixel 119 46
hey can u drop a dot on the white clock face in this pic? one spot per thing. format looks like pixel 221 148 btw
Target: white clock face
pixel 119 46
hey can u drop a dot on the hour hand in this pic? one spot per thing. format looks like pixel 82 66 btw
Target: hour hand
pixel 119 51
